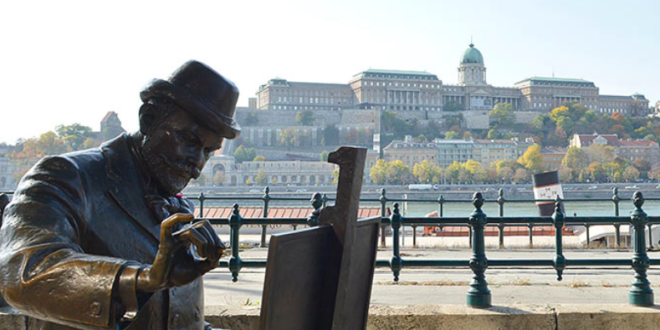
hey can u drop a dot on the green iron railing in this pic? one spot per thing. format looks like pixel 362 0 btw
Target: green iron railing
pixel 478 294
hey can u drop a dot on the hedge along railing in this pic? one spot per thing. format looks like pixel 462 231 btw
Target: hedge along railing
pixel 478 294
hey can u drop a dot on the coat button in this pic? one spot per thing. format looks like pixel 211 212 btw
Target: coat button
pixel 198 316
pixel 95 308
pixel 175 320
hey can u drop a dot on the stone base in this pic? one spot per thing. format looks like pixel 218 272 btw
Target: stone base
pixel 425 317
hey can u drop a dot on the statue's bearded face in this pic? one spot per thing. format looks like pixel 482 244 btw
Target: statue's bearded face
pixel 176 150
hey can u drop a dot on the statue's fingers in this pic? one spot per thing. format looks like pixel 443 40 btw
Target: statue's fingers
pixel 198 239
pixel 168 225
pixel 219 245
pixel 210 251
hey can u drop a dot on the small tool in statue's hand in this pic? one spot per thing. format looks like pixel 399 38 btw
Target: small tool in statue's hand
pixel 198 233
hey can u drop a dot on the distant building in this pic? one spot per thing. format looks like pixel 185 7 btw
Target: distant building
pixel 398 90
pixel 585 140
pixel 626 149
pixel 491 151
pixel 410 152
pixel 453 150
pixel 641 149
pixel 279 172
pixel 6 174
pixel 110 126
pixel 552 157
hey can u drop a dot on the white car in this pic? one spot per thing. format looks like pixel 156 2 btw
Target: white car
pixel 632 187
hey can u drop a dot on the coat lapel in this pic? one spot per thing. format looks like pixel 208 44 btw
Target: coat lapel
pixel 127 190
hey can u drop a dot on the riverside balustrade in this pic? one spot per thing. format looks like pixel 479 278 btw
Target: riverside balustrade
pixel 478 295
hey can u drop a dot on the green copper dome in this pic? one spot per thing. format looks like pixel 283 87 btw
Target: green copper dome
pixel 472 55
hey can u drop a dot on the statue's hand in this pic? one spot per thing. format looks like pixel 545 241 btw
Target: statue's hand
pixel 175 264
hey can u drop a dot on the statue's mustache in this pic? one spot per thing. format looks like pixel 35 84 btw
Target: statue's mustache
pixel 182 166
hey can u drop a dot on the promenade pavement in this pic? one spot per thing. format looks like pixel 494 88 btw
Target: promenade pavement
pixel 426 286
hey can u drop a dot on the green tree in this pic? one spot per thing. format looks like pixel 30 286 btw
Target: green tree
pixel 643 165
pixel 427 172
pixel 492 134
pixel 378 172
pixel 335 175
pixel 630 173
pixel 600 153
pixel 242 154
pixel 305 117
pixel 596 172
pixel 575 158
pixel 521 176
pixel 397 172
pixel 453 171
pixel 324 156
pixel 451 135
pixel 261 178
pixel 565 174
pixel 288 137
pixel 73 135
pixel 503 114
pixel 259 158
pixel 532 159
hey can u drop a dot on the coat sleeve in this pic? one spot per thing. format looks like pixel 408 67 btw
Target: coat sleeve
pixel 46 274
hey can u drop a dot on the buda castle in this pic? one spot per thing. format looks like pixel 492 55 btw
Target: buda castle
pixel 423 91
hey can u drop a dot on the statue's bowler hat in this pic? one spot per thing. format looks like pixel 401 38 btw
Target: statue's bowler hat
pixel 205 94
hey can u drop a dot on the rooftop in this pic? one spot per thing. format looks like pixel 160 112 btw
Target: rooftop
pixel 397 73
pixel 472 55
pixel 556 80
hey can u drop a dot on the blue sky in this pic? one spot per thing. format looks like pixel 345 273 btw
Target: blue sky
pixel 73 61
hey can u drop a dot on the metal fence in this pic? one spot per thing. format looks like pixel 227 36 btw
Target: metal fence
pixel 478 294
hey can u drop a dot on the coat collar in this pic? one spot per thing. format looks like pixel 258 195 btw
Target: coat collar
pixel 127 189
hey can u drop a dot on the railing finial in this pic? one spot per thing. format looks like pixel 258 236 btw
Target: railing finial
pixel 638 199
pixel 478 200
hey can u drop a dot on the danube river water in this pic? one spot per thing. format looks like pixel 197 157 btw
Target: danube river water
pixel 529 209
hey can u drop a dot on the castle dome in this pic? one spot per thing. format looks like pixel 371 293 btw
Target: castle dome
pixel 472 55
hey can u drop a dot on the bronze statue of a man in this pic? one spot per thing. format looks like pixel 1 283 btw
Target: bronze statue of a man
pixel 87 240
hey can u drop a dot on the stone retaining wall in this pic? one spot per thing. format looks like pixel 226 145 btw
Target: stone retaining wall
pixel 529 317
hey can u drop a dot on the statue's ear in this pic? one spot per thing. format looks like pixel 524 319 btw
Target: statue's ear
pixel 148 115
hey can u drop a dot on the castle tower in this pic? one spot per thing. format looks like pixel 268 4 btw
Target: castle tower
pixel 472 71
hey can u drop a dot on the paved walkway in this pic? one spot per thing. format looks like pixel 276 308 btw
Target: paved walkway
pixel 448 286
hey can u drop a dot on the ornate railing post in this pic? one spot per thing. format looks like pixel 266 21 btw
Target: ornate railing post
pixel 383 214
pixel 317 204
pixel 641 293
pixel 441 209
pixel 396 263
pixel 266 199
pixel 558 262
pixel 500 226
pixel 588 233
pixel 235 225
pixel 530 226
pixel 617 226
pixel 201 198
pixel 478 295
pixel 325 200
